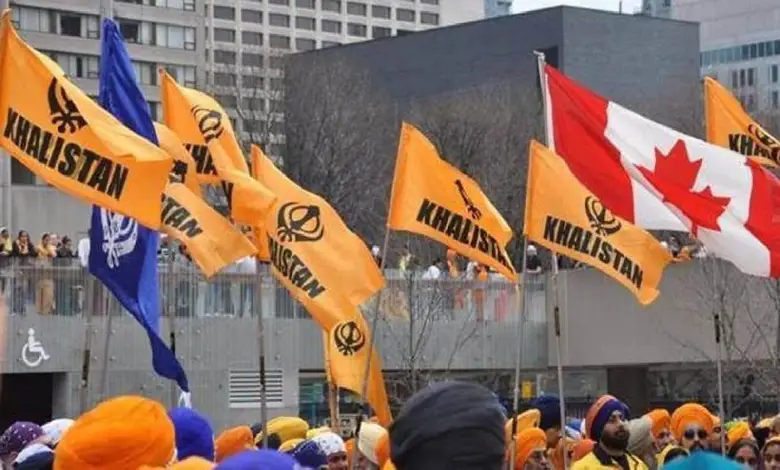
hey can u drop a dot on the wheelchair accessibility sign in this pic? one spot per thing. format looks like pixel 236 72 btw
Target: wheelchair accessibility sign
pixel 33 353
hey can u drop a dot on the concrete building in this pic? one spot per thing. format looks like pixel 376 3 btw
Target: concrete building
pixel 495 8
pixel 740 45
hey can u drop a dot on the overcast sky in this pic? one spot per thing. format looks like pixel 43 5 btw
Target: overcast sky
pixel 525 5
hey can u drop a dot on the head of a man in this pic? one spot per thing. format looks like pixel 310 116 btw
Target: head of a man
pixel 692 426
pixel 606 421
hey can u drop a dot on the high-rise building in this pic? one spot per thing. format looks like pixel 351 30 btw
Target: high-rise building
pixel 230 48
pixel 657 8
pixel 495 8
pixel 740 46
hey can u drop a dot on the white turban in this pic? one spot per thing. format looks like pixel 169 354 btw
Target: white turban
pixel 330 443
pixel 368 439
pixel 55 429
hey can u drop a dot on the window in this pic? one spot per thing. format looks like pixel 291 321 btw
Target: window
pixel 357 9
pixel 753 51
pixel 734 79
pixel 251 59
pixel 34 19
pixel 402 14
pixel 751 78
pixel 224 13
pixel 773 74
pixel 741 78
pixel 20 174
pixel 77 66
pixel 761 50
pixel 354 29
pixel 378 11
pixel 331 5
pixel 224 35
pixel 225 57
pixel 330 43
pixel 130 30
pixel 145 73
pixel 252 81
pixel 770 50
pixel 303 44
pixel 775 99
pixel 70 25
pixel 252 16
pixel 403 32
pixel 275 19
pixel 276 62
pixel 380 32
pixel 253 104
pixel 277 41
pixel 227 101
pixel 429 2
pixel 303 22
pixel 429 18
pixel 305 4
pixel 251 38
pixel 330 26
pixel 279 2
pixel 751 103
pixel 777 47
pixel 224 79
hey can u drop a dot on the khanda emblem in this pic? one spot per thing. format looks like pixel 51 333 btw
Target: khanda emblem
pixel 348 338
pixel 472 209
pixel 209 122
pixel 299 223
pixel 120 235
pixel 602 221
pixel 64 113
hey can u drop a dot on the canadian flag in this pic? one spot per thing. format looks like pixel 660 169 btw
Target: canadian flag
pixel 661 179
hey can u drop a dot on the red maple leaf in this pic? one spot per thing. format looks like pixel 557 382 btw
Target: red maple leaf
pixel 674 176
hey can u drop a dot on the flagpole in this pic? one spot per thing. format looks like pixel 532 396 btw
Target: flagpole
pixel 88 303
pixel 372 332
pixel 106 351
pixel 520 306
pixel 171 301
pixel 719 363
pixel 261 350
pixel 549 142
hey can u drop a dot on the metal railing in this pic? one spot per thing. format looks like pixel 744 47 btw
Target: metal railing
pixel 65 288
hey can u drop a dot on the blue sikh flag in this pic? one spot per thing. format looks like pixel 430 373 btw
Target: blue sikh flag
pixel 123 253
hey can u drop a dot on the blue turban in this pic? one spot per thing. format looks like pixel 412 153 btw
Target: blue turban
pixel 263 458
pixel 310 454
pixel 550 408
pixel 194 435
pixel 599 413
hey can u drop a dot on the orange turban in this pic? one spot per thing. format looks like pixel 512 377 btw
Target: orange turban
pixel 528 441
pixel 527 419
pixel 687 414
pixel 123 433
pixel 581 449
pixel 192 463
pixel 233 441
pixel 660 419
pixel 737 432
pixel 383 449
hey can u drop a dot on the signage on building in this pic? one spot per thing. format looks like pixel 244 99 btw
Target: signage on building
pixel 33 353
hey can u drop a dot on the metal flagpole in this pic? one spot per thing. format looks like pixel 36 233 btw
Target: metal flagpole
pixel 261 350
pixel 372 341
pixel 549 142
pixel 171 302
pixel 88 307
pixel 520 305
pixel 106 350
pixel 719 363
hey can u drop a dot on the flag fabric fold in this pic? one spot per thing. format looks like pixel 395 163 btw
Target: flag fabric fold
pixel 124 252
pixel 729 126
pixel 348 351
pixel 430 197
pixel 213 242
pixel 59 133
pixel 313 253
pixel 184 168
pixel 658 178
pixel 575 223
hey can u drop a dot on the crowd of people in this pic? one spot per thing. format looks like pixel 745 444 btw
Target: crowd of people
pixel 446 426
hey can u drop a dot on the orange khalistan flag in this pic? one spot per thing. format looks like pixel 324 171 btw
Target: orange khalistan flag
pixel 183 170
pixel 347 352
pixel 729 126
pixel 323 264
pixel 432 198
pixel 212 240
pixel 576 224
pixel 53 128
pixel 189 112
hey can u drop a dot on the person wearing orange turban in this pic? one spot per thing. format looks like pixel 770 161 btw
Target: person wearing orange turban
pixel 527 419
pixel 123 433
pixel 662 434
pixel 530 450
pixel 692 425
pixel 233 441
pixel 192 463
pixel 738 432
pixel 717 429
pixel 556 455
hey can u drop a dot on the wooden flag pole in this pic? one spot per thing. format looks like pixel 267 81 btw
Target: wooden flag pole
pixel 89 289
pixel 261 349
pixel 171 302
pixel 520 308
pixel 106 351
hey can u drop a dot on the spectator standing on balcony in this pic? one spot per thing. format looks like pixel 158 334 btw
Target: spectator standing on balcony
pixel 434 271
pixel 6 247
pixel 533 265
pixel 66 281
pixel 377 254
pixel 406 261
pixel 22 248
pixel 44 292
pixel 65 249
